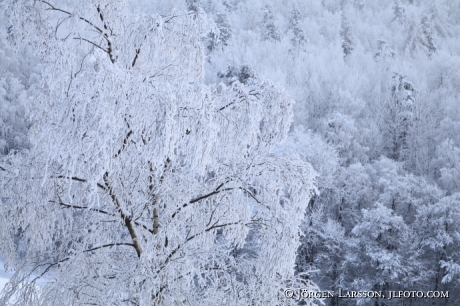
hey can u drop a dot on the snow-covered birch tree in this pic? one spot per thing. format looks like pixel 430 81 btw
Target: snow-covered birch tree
pixel 142 183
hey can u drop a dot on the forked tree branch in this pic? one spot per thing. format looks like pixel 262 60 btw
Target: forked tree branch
pixel 125 142
pixel 102 212
pixel 135 57
pixel 109 49
pixel 212 227
pixel 125 218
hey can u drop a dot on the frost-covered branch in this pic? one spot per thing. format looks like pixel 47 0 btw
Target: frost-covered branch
pixel 52 7
pixel 124 217
pixel 79 180
pixel 83 207
pixel 189 238
pixel 109 49
pixel 200 198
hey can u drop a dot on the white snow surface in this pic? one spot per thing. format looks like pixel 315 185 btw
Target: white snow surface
pixel 4 276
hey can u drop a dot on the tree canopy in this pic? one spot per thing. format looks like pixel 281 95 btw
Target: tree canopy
pixel 143 185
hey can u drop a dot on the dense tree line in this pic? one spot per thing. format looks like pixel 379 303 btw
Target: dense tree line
pixel 376 89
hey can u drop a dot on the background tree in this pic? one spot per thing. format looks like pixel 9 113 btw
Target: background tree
pixel 270 30
pixel 427 38
pixel 298 40
pixel 399 117
pixel 346 35
pixel 439 233
pixel 399 12
pixel 225 30
pixel 18 75
pixel 448 164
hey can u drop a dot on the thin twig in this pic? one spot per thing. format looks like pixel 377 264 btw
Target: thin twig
pixel 74 178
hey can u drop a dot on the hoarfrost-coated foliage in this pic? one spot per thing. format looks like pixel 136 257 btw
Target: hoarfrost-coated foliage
pixel 382 159
pixel 143 183
pixel 346 36
pixel 381 128
pixel 16 88
pixel 270 31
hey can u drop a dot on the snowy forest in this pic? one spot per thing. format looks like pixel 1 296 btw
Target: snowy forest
pixel 218 152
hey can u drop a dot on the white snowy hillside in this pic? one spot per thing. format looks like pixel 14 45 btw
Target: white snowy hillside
pixel 4 278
